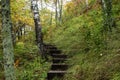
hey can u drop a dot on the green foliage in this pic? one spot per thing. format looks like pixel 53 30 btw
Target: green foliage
pixel 80 33
pixel 94 54
pixel 116 76
pixel 30 65
pixel 21 12
pixel 33 70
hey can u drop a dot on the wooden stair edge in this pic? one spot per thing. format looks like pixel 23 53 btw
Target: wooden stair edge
pixel 58 71
pixel 59 64
pixel 59 58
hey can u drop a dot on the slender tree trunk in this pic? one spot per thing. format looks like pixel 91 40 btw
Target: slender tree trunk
pixel 41 4
pixel 20 31
pixel 107 14
pixel 24 30
pixel 59 11
pixel 38 27
pixel 18 34
pixel 61 6
pixel 56 12
pixel 51 19
pixel 86 3
pixel 7 41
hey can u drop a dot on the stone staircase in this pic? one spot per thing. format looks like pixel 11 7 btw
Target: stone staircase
pixel 59 66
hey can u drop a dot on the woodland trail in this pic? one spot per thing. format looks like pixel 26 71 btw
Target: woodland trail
pixel 59 66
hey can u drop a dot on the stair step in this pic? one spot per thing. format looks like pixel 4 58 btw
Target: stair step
pixel 52 74
pixel 59 67
pixel 55 51
pixel 59 55
pixel 59 60
pixel 57 72
pixel 50 47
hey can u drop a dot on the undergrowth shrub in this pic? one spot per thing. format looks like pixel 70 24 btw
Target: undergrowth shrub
pixel 94 53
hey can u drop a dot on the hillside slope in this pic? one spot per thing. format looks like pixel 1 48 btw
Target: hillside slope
pixel 94 55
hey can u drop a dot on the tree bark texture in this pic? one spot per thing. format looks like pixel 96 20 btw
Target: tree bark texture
pixel 7 41
pixel 38 27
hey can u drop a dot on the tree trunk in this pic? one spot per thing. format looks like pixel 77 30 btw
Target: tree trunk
pixel 38 27
pixel 24 30
pixel 21 31
pixel 51 19
pixel 56 12
pixel 61 6
pixel 41 4
pixel 7 41
pixel 107 14
pixel 86 3
pixel 18 34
